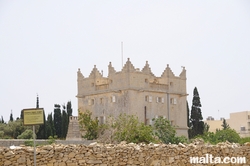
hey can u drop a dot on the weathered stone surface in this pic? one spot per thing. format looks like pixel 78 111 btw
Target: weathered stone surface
pixel 21 160
pixel 10 153
pixel 94 161
pixel 7 163
pixel 48 147
pixel 58 148
pixel 71 155
pixel 121 154
pixel 43 152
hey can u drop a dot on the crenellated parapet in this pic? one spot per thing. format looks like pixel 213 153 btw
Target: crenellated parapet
pixel 183 73
pixel 167 72
pixel 79 75
pixel 73 118
pixel 147 70
pixel 95 73
pixel 111 69
pixel 131 77
pixel 128 67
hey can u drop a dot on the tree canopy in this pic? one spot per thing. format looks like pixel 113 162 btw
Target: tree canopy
pixel 225 125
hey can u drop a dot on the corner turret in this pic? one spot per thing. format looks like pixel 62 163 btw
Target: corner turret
pixel 79 75
pixel 183 73
pixel 111 69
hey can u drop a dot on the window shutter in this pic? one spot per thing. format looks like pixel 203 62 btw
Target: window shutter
pixel 171 101
pixel 113 99
pixel 162 99
pixel 175 101
pixel 150 99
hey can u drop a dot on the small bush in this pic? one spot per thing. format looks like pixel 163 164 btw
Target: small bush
pixel 181 139
pixel 166 132
pixel 129 129
pixel 88 125
pixel 1 134
pixel 229 135
pixel 51 140
pixel 27 134
pixel 244 140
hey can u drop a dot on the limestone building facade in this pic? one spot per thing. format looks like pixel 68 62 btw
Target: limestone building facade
pixel 137 92
pixel 239 121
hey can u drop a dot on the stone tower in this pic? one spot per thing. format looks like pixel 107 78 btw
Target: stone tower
pixel 73 129
pixel 137 92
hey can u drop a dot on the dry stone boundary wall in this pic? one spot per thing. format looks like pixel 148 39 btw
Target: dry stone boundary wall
pixel 18 142
pixel 120 154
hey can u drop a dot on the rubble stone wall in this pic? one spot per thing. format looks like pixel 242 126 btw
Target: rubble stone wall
pixel 18 142
pixel 120 154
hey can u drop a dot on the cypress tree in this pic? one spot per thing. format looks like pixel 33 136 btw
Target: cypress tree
pixel 196 115
pixel 225 125
pixel 188 116
pixel 69 113
pixel 2 121
pixel 64 122
pixel 50 125
pixel 189 124
pixel 11 116
pixel 42 132
pixel 58 120
pixel 21 115
pixel 69 108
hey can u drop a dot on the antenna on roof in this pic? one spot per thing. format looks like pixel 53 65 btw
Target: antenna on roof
pixel 122 52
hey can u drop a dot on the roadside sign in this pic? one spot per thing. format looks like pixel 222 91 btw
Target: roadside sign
pixel 33 116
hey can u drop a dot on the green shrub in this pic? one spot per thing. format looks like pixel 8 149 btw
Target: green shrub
pixel 164 130
pixel 1 134
pixel 129 129
pixel 27 134
pixel 88 125
pixel 181 139
pixel 228 134
pixel 244 140
pixel 51 140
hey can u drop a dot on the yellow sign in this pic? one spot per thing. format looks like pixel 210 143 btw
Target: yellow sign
pixel 33 116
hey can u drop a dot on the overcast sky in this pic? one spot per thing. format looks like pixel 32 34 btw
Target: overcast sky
pixel 43 43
